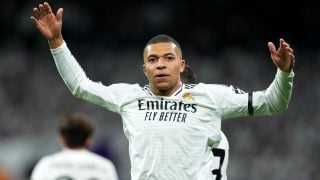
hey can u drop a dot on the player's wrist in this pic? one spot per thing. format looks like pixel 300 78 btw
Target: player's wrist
pixel 55 42
pixel 284 74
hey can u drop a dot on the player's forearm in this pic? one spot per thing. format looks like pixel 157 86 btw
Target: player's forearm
pixel 75 78
pixel 68 68
pixel 278 95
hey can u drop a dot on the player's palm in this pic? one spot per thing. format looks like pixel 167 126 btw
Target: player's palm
pixel 49 27
pixel 46 22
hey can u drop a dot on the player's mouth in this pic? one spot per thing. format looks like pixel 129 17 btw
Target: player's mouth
pixel 161 77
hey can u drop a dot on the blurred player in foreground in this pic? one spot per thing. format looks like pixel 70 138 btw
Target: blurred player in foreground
pixel 75 161
pixel 220 153
pixel 170 127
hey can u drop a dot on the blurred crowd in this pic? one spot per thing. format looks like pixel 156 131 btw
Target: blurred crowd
pixel 223 41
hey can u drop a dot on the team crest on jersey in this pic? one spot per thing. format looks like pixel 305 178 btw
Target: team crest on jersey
pixel 187 96
pixel 238 90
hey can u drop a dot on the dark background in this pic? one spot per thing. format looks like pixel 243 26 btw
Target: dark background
pixel 224 41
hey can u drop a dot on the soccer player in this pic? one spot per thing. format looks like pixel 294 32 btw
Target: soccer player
pixel 220 154
pixel 75 161
pixel 171 127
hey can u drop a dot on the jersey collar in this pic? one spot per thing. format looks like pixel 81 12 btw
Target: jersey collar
pixel 146 88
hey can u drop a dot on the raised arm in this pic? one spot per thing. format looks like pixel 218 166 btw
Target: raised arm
pixel 75 78
pixel 48 24
pixel 275 98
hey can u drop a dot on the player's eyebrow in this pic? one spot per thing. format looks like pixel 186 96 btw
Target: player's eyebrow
pixel 152 55
pixel 167 54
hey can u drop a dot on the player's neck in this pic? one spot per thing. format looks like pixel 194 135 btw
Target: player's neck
pixel 168 92
pixel 75 149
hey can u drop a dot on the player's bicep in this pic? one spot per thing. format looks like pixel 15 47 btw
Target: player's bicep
pixel 99 94
pixel 109 97
pixel 235 103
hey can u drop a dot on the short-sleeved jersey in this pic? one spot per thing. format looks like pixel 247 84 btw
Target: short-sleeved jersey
pixel 74 165
pixel 171 137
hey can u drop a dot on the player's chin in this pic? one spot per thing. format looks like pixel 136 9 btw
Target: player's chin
pixel 163 85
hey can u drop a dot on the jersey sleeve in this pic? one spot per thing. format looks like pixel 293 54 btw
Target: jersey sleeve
pixel 109 97
pixel 274 100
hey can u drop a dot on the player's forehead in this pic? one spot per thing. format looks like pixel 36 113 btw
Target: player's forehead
pixel 159 49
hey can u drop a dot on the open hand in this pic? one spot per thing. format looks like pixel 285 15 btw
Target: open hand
pixel 48 24
pixel 282 57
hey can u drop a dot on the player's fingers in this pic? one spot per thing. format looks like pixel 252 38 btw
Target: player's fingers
pixel 290 50
pixel 59 14
pixel 281 42
pixel 41 9
pixel 36 12
pixel 285 48
pixel 47 7
pixel 273 52
pixel 282 46
pixel 34 20
pixel 272 48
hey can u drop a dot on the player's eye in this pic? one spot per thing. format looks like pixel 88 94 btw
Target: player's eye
pixel 170 58
pixel 152 59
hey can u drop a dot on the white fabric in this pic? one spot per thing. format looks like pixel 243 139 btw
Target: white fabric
pixel 224 145
pixel 74 165
pixel 170 138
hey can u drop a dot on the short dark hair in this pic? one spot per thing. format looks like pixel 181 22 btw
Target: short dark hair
pixel 188 76
pixel 75 129
pixel 163 38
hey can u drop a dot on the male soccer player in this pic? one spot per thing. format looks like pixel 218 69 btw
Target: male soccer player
pixel 220 154
pixel 75 161
pixel 171 127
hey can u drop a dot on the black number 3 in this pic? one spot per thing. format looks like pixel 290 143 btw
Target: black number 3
pixel 219 153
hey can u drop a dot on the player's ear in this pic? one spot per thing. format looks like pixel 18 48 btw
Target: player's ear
pixel 89 142
pixel 144 69
pixel 61 142
pixel 182 65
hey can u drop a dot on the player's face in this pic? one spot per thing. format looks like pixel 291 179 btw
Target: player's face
pixel 162 66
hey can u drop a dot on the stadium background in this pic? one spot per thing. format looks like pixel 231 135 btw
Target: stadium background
pixel 224 41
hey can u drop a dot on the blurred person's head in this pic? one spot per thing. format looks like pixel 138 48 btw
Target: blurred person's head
pixel 188 76
pixel 163 64
pixel 76 131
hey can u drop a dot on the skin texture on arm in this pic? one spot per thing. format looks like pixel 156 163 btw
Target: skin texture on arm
pixel 48 24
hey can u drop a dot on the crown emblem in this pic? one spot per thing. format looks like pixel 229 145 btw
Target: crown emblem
pixel 187 96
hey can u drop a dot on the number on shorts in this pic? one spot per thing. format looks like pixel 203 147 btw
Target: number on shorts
pixel 218 153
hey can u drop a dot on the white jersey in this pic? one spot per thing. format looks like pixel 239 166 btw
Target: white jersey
pixel 74 165
pixel 171 137
pixel 220 159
